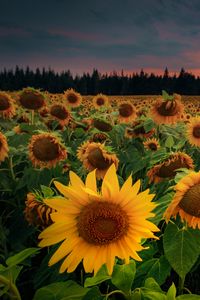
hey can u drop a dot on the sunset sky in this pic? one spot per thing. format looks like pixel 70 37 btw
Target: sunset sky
pixel 107 35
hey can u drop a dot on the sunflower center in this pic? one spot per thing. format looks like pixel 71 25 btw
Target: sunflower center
pixel 125 110
pixel 30 100
pixel 100 101
pixel 196 131
pixel 169 168
pixel 4 103
pixel 101 223
pixel 97 159
pixel 152 146
pixel 45 150
pixel 59 112
pixel 72 98
pixel 168 108
pixel 190 202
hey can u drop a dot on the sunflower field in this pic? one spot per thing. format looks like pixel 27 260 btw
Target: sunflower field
pixel 99 196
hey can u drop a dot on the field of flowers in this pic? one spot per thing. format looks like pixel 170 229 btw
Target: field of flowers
pixel 99 196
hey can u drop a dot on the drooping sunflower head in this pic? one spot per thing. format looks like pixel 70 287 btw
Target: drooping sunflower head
pixel 72 98
pixel 127 112
pixel 151 144
pixel 60 113
pixel 168 168
pixel 99 101
pixel 99 137
pixel 193 131
pixel 97 226
pixel 167 111
pixel 7 107
pixel 102 125
pixel 95 156
pixel 31 98
pixel 3 147
pixel 186 201
pixel 137 129
pixel 45 150
pixel 36 212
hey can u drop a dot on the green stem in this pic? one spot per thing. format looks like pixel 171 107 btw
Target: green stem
pixel 115 292
pixel 11 168
pixel 181 285
pixel 13 291
pixel 32 117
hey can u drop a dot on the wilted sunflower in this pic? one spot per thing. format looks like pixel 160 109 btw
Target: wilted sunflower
pixel 95 156
pixel 167 168
pixel 7 108
pixel 137 130
pixel 36 212
pixel 99 101
pixel 193 131
pixel 167 111
pixel 97 227
pixel 45 150
pixel 102 125
pixel 186 201
pixel 72 98
pixel 127 112
pixel 31 98
pixel 61 114
pixel 3 147
pixel 151 144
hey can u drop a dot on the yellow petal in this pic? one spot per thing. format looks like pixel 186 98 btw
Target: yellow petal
pixel 57 203
pixel 111 179
pixel 91 181
pixel 77 195
pixel 75 180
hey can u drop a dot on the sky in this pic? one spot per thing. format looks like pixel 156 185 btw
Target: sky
pixel 108 35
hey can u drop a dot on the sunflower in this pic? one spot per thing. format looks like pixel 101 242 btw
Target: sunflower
pixel 36 212
pixel 151 144
pixel 72 98
pixel 99 137
pixel 45 150
pixel 99 101
pixel 102 125
pixel 95 156
pixel 127 112
pixel 31 98
pixel 97 227
pixel 167 111
pixel 3 147
pixel 193 131
pixel 167 168
pixel 186 201
pixel 61 114
pixel 7 108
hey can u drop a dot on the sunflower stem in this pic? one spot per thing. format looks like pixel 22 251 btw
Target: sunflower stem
pixel 13 291
pixel 11 168
pixel 115 292
pixel 32 117
pixel 181 285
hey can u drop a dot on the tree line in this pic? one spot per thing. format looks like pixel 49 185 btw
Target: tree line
pixel 114 83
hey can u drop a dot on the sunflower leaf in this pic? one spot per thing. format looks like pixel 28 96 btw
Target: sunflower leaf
pixel 123 276
pixel 21 256
pixel 101 276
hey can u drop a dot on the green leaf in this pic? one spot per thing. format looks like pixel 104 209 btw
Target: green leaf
pixel 162 204
pixel 136 294
pixel 181 247
pixel 123 276
pixel 171 293
pixel 151 284
pixel 101 276
pixel 47 191
pixel 11 272
pixel 152 295
pixel 169 143
pixel 188 297
pixel 93 294
pixel 21 256
pixel 61 291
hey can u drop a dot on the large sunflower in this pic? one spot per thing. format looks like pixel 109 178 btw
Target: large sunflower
pixel 95 156
pixel 167 111
pixel 99 101
pixel 3 147
pixel 127 112
pixel 60 113
pixel 186 201
pixel 72 98
pixel 45 150
pixel 7 108
pixel 97 227
pixel 31 98
pixel 167 168
pixel 193 131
